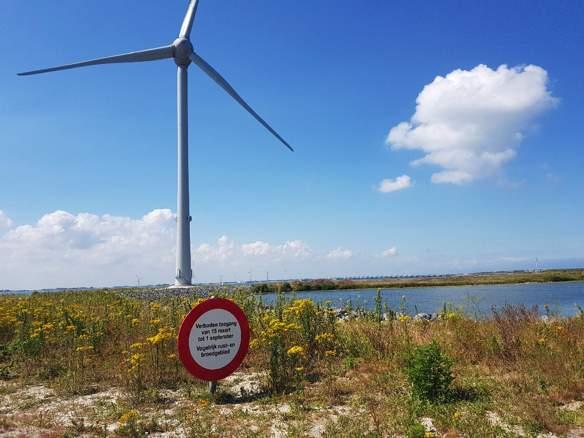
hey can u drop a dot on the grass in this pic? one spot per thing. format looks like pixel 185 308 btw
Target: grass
pixel 425 281
pixel 511 372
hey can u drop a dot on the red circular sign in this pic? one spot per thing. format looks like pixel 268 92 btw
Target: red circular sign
pixel 213 339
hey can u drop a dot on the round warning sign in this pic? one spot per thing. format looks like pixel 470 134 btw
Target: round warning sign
pixel 213 339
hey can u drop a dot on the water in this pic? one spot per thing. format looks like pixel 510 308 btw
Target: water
pixel 561 297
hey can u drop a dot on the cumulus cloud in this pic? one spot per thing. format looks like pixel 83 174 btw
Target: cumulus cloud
pixel 63 249
pixel 390 252
pixel 393 185
pixel 258 248
pixel 5 221
pixel 340 254
pixel 295 248
pixel 471 122
pixel 226 248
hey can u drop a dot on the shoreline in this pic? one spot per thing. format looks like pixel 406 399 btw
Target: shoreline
pixel 323 285
pixel 486 279
pixel 433 286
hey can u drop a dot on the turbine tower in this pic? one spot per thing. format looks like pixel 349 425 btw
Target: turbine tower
pixel 181 50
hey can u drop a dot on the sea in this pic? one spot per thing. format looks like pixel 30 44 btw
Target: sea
pixel 559 298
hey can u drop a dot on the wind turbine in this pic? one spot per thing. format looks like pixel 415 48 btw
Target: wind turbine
pixel 181 50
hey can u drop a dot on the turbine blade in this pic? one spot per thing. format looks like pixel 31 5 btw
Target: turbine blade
pixel 187 24
pixel 140 56
pixel 220 80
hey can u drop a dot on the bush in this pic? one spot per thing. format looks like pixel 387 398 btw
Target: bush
pixel 416 430
pixel 429 373
pixel 297 336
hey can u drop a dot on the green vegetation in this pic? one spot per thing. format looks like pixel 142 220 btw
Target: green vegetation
pixel 115 356
pixel 424 281
pixel 429 372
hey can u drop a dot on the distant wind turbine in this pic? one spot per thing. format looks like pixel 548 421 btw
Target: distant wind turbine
pixel 181 50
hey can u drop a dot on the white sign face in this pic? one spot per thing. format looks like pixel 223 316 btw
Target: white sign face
pixel 215 339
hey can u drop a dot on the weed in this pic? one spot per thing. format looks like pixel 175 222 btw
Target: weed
pixel 429 372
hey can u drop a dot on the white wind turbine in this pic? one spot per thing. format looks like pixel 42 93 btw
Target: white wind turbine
pixel 181 50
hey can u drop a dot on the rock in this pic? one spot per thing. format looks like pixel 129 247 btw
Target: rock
pixel 428 425
pixel 573 406
pixel 344 314
pixel 496 420
pixel 423 316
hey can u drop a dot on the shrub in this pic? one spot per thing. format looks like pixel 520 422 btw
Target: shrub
pixel 416 430
pixel 297 336
pixel 429 372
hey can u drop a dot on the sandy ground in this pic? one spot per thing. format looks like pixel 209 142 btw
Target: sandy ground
pixel 38 411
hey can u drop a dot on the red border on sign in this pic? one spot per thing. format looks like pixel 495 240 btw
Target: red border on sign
pixel 185 330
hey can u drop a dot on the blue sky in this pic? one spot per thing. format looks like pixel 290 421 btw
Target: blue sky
pixel 333 78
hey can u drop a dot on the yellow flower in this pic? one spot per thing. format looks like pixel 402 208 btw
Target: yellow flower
pixel 299 369
pixel 456 415
pixel 255 343
pixel 163 334
pixel 297 350
pixel 324 338
pixel 154 322
pixel 329 353
pixel 70 328
pixel 136 359
pixel 128 417
pixel 298 307
pixel 197 302
pixel 84 348
pixel 135 322
pixel 136 346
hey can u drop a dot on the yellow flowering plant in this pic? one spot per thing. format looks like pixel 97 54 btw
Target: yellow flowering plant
pixel 296 335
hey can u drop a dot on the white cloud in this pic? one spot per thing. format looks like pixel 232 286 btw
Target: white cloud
pixel 295 248
pixel 223 250
pixel 63 250
pixel 340 254
pixel 471 122
pixel 5 221
pixel 393 185
pixel 258 248
pixel 227 250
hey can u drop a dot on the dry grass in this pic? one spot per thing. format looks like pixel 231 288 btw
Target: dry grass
pixel 513 372
pixel 427 281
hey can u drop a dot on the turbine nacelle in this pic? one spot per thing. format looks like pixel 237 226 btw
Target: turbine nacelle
pixel 182 49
